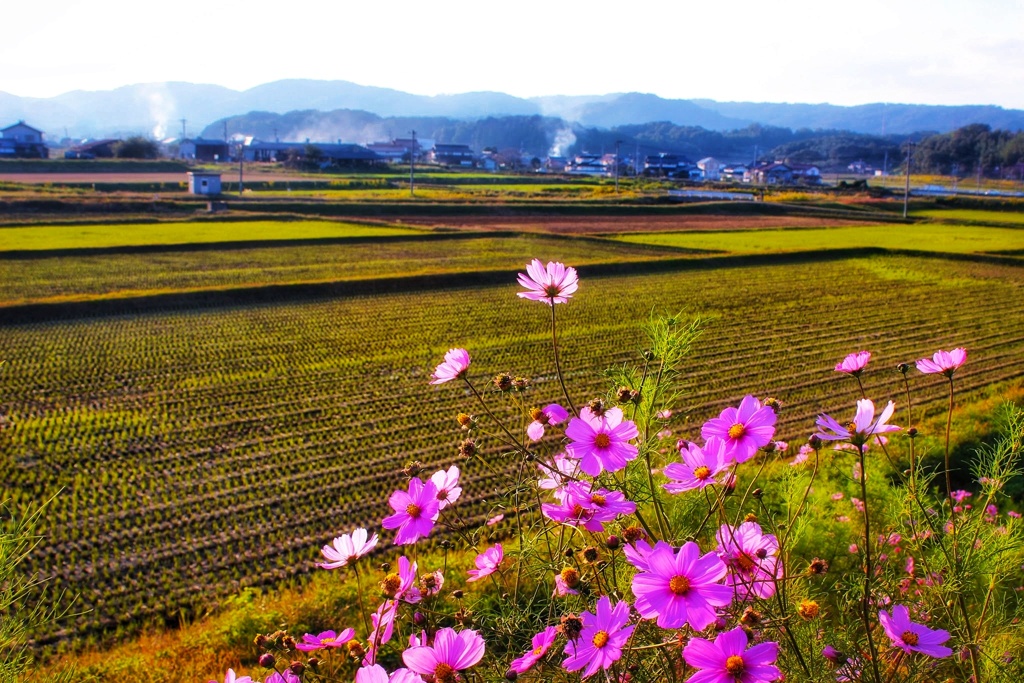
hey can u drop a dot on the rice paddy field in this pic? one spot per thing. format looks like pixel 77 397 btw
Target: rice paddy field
pixel 196 449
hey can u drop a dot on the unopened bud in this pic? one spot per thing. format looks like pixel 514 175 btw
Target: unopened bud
pixel 814 441
pixel 297 668
pixel 613 542
pixel 511 675
pixel 267 660
pixel 465 421
pixel 412 468
pixel 912 432
pixel 903 368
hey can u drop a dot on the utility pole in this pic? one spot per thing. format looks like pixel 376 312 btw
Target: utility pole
pixel 617 144
pixel 906 188
pixel 183 128
pixel 412 166
pixel 241 158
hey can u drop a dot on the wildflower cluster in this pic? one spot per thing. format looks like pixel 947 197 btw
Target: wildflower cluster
pixel 620 553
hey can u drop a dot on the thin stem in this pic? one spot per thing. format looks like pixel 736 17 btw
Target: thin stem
pixel 498 422
pixel 359 596
pixel 558 367
pixel 803 501
pixel 868 569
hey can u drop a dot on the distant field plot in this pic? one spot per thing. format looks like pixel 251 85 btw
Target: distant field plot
pixel 199 451
pixel 925 237
pixel 137 234
pixel 974 215
pixel 83 278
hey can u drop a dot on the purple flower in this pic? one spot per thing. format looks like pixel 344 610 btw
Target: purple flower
pixel 752 557
pixel 447 483
pixel 347 549
pixel 375 673
pixel 581 506
pixel 401 585
pixel 681 588
pixel 743 429
pixel 638 553
pixel 863 427
pixel 601 641
pixel 557 472
pixel 415 511
pixel 913 637
pixel 854 363
pixel 554 284
pixel 728 660
pixel 699 468
pixel 550 414
pixel 231 677
pixel 326 639
pixel 456 361
pixel 945 362
pixel 451 652
pixel 601 442
pixel 487 562
pixel 542 642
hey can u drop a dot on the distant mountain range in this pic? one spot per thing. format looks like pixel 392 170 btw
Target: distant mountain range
pixel 156 109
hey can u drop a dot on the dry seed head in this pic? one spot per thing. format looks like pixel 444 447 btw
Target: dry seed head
pixel 503 381
pixel 467 449
pixel 597 406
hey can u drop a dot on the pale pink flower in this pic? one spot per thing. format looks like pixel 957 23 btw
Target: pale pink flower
pixel 487 562
pixel 945 362
pixel 375 673
pixel 455 364
pixel 557 473
pixel 752 557
pixel 553 284
pixel 863 427
pixel 451 652
pixel 551 414
pixel 854 363
pixel 347 549
pixel 447 483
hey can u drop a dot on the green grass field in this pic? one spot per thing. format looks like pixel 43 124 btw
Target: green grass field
pixel 973 215
pixel 924 237
pixel 113 235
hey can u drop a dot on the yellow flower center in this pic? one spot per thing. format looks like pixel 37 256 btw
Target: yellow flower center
pixel 702 472
pixel 327 640
pixel 909 637
pixel 571 577
pixel 444 673
pixel 413 510
pixel 602 440
pixel 734 665
pixel 851 427
pixel 679 585
pixel 577 511
pixel 745 562
pixel 598 499
pixel 600 639
pixel 391 583
pixel 737 431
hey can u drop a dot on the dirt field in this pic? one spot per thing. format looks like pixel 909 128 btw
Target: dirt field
pixel 595 225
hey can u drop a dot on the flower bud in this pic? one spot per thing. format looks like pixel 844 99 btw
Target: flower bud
pixel 297 668
pixel 571 625
pixel 903 368
pixel 418 618
pixel 412 468
pixel 750 517
pixel 814 441
pixel 632 534
pixel 457 594
pixel 465 421
pixel 817 567
pixel 597 406
pixel 912 432
pixel 267 660
pixel 467 449
pixel 521 383
pixel 511 675
pixel 613 542
pixel 750 617
pixel 808 609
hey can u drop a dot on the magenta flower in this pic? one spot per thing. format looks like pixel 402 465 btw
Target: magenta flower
pixel 347 549
pixel 699 468
pixel 456 361
pixel 554 284
pixel 231 677
pixel 752 557
pixel 728 660
pixel 681 588
pixel 326 639
pixel 743 429
pixel 601 442
pixel 375 673
pixel 855 363
pixel 863 427
pixel 562 588
pixel 945 362
pixel 541 642
pixel 383 621
pixel 581 506
pixel 447 483
pixel 415 511
pixel 913 637
pixel 638 553
pixel 487 562
pixel 451 652
pixel 551 414
pixel 286 677
pixel 601 641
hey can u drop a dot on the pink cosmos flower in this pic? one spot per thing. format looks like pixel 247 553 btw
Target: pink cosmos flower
pixel 638 553
pixel 601 442
pixel 455 364
pixel 431 584
pixel 699 468
pixel 854 363
pixel 415 511
pixel 551 414
pixel 582 506
pixel 913 637
pixel 562 589
pixel 681 588
pixel 401 585
pixel 286 677
pixel 743 429
pixel 487 562
pixel 945 362
pixel 863 427
pixel 752 557
pixel 728 660
pixel 383 621
pixel 541 642
pixel 451 652
pixel 375 673
pixel 231 677
pixel 554 284
pixel 601 641
pixel 801 457
pixel 495 519
pixel 447 483
pixel 557 472
pixel 326 639
pixel 347 549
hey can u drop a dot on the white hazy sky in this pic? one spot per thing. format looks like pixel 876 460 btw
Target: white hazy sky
pixel 838 51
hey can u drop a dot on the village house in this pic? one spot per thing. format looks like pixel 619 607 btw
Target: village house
pixel 198 149
pixel 587 164
pixel 452 155
pixel 92 149
pixel 710 168
pixel 23 141
pixel 337 154
pixel 669 166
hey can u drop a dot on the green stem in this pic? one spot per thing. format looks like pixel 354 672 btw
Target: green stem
pixel 558 366
pixel 868 569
